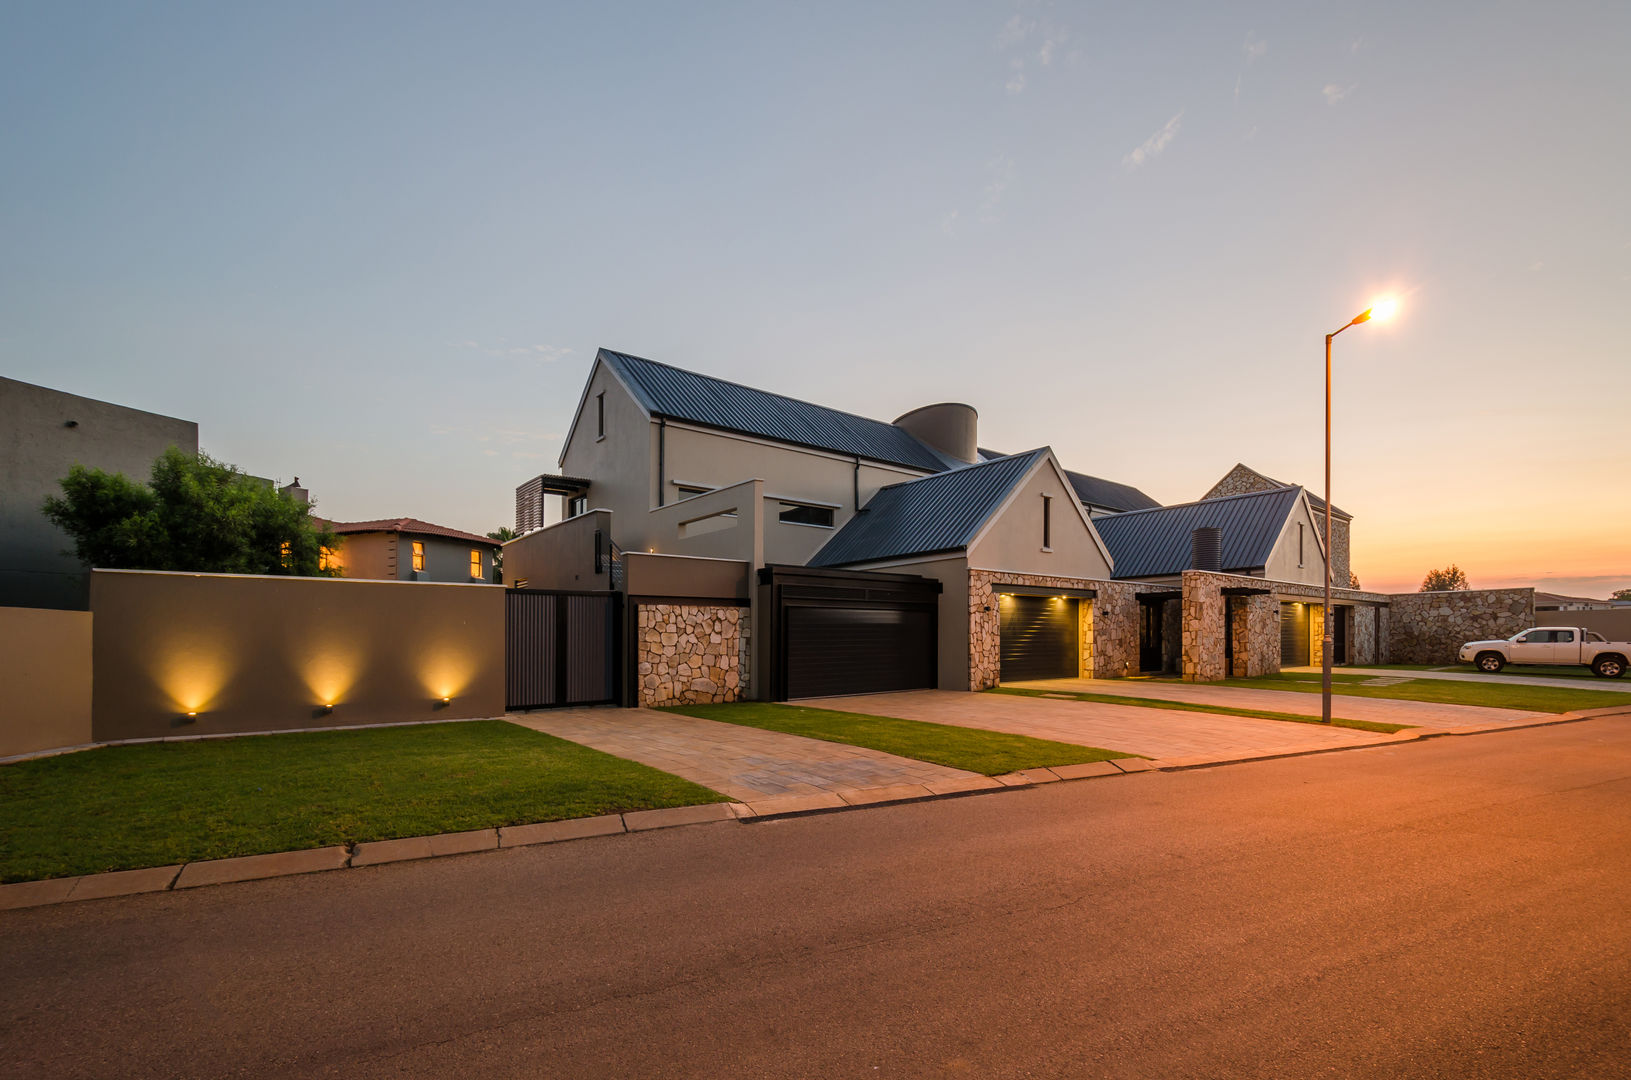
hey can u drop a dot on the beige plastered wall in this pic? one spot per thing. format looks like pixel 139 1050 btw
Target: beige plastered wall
pixel 1283 564
pixel 264 653
pixel 45 669
pixel 1013 539
pixel 562 555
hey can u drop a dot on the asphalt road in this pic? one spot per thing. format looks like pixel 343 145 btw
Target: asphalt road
pixel 1454 908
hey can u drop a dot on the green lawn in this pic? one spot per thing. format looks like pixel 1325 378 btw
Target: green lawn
pixel 1187 706
pixel 976 750
pixel 1444 692
pixel 123 807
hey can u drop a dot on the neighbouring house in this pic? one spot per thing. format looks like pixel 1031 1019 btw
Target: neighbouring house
pixel 879 555
pixel 408 549
pixel 1241 480
pixel 43 434
pixel 1545 601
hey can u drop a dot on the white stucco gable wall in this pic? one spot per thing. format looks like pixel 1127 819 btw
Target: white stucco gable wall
pixel 1011 539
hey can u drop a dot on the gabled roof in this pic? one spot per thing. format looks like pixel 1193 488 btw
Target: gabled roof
pixel 1108 493
pixel 936 513
pixel 1154 543
pixel 1316 503
pixel 678 394
pixel 408 527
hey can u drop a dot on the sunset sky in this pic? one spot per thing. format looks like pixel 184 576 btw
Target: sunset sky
pixel 377 245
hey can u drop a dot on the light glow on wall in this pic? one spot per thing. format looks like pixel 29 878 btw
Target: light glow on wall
pixel 331 668
pixel 193 669
pixel 446 668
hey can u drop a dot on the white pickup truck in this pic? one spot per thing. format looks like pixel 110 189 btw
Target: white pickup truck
pixel 1572 645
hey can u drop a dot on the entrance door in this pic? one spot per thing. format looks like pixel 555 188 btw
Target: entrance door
pixel 1037 637
pixel 1339 647
pixel 1149 636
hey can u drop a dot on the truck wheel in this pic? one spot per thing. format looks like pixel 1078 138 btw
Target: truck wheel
pixel 1490 662
pixel 1609 667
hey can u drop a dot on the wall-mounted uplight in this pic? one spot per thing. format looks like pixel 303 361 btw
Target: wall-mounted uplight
pixel 187 718
pixel 324 709
pixel 442 703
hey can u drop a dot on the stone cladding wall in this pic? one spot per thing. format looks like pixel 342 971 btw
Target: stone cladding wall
pixel 1256 628
pixel 691 654
pixel 1108 627
pixel 1362 635
pixel 1430 627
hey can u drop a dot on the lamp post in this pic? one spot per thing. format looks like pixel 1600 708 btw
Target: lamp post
pixel 1381 310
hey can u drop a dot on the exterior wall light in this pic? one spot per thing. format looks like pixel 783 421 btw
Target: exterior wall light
pixel 187 718
pixel 442 703
pixel 323 710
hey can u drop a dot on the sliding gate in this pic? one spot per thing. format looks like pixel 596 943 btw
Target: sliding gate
pixel 561 648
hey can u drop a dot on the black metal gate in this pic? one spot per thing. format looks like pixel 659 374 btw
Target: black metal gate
pixel 561 648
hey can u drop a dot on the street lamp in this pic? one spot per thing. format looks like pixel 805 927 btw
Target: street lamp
pixel 1380 311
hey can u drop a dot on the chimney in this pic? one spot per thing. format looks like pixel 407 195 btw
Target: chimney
pixel 297 493
pixel 949 427
pixel 1206 550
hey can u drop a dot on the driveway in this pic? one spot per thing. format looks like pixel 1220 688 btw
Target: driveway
pixel 1382 710
pixel 749 764
pixel 1167 735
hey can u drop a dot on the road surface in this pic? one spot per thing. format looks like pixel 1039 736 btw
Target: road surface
pixel 1451 908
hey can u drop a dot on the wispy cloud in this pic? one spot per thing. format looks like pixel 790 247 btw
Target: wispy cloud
pixel 1335 93
pixel 1028 41
pixel 1152 146
pixel 1254 47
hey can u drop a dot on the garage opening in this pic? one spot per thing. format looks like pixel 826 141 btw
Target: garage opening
pixel 1294 635
pixel 1038 636
pixel 833 632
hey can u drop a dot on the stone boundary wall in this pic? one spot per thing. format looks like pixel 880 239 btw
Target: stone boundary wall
pixel 1108 630
pixel 691 654
pixel 1430 627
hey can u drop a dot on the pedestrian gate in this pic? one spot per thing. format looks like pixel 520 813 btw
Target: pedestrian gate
pixel 561 648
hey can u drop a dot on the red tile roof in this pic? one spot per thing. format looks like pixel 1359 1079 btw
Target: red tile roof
pixel 409 526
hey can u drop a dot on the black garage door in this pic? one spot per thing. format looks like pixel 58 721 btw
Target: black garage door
pixel 846 631
pixel 847 650
pixel 1038 637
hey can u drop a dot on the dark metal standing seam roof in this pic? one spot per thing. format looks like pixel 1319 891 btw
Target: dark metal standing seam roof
pixel 1091 489
pixel 934 513
pixel 1152 543
pixel 701 399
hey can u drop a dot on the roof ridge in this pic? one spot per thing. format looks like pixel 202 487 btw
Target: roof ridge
pixel 963 468
pixel 759 390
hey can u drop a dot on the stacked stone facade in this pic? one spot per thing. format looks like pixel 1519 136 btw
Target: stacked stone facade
pixel 1255 628
pixel 1430 627
pixel 1107 627
pixel 1240 480
pixel 691 654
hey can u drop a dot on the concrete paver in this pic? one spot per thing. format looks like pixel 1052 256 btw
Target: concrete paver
pixel 1155 733
pixel 748 764
pixel 1382 710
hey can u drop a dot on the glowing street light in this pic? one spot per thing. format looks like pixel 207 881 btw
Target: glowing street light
pixel 1381 311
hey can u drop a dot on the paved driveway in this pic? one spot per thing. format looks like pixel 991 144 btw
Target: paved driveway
pixel 1382 710
pixel 1168 735
pixel 749 764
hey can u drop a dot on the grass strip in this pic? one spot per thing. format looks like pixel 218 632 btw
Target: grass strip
pixel 1186 706
pixel 991 753
pixel 1538 699
pixel 124 807
pixel 1547 671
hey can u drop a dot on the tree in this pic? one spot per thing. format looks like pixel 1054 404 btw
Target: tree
pixel 1620 594
pixel 1451 577
pixel 195 514
pixel 501 534
pixel 1353 580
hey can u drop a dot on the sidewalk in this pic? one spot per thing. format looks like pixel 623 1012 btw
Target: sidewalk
pixel 1382 710
pixel 1561 683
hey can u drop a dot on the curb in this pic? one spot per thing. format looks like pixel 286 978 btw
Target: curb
pixel 52 891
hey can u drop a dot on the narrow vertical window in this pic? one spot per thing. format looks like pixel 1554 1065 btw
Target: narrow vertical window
pixel 475 563
pixel 1047 521
pixel 600 415
pixel 1300 531
pixel 418 556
